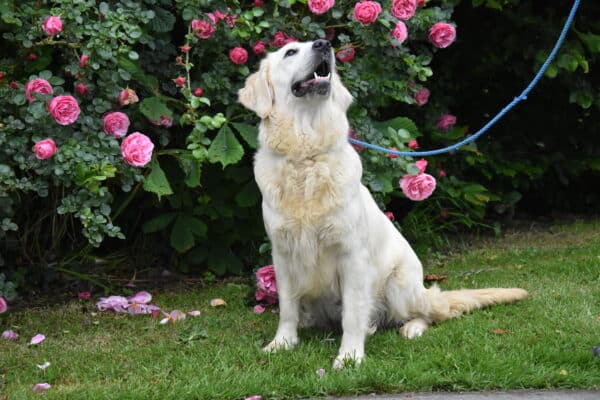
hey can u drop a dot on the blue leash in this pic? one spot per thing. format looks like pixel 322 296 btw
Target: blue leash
pixel 522 96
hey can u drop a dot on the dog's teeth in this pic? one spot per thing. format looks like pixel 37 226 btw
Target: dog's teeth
pixel 316 76
pixel 328 75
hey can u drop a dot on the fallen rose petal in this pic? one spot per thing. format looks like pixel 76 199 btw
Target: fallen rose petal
pixel 176 315
pixel 256 397
pixel 10 335
pixel 39 338
pixel 259 309
pixel 113 303
pixel 84 295
pixel 44 365
pixel 40 387
pixel 194 313
pixel 218 302
pixel 164 320
pixel 142 297
pixel 321 371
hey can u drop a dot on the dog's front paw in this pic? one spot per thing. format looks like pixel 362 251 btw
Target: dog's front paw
pixel 281 344
pixel 413 328
pixel 347 360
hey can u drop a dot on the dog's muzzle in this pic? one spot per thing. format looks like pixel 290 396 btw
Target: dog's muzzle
pixel 319 80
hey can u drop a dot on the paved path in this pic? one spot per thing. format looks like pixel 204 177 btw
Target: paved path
pixel 493 395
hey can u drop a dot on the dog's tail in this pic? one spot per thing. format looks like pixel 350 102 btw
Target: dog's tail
pixel 444 305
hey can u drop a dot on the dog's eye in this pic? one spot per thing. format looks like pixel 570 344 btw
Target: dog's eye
pixel 290 52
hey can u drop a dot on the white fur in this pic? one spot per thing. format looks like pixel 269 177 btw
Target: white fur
pixel 337 257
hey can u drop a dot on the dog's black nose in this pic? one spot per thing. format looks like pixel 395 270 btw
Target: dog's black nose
pixel 322 45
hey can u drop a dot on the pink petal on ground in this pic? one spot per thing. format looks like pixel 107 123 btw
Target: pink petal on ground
pixel 194 313
pixel 217 302
pixel 39 338
pixel 259 309
pixel 10 335
pixel 177 315
pixel 257 397
pixel 40 387
pixel 141 298
pixel 164 320
pixel 3 305
pixel 112 303
pixel 43 366
pixel 321 371
pixel 84 295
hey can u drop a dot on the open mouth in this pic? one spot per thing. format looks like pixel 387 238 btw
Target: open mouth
pixel 317 82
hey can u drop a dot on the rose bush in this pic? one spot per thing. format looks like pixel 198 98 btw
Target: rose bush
pixel 171 70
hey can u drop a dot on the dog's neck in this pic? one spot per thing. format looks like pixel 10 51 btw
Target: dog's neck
pixel 305 133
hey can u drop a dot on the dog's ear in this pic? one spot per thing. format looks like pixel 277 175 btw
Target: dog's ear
pixel 257 95
pixel 340 95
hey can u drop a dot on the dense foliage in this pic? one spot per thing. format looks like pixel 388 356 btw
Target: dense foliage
pixel 136 132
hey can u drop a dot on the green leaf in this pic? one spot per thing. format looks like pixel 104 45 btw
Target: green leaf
pixel 182 238
pixel 133 67
pixel 248 196
pixel 156 181
pixel 197 227
pixel 248 132
pixel 154 107
pixel 163 20
pixel 158 223
pixel 222 260
pixel 398 123
pixel 225 148
pixel 192 167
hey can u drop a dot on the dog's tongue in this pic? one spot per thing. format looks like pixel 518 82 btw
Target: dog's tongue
pixel 314 80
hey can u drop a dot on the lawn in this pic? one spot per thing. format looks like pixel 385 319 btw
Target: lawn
pixel 543 342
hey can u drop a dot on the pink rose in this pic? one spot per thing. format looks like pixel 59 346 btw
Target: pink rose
pixel 266 284
pixel 366 12
pixel 64 109
pixel 446 121
pixel 83 60
pixel 216 16
pixel 203 29
pixel 259 48
pixel 3 305
pixel 179 81
pixel 422 96
pixel 413 144
pixel 81 88
pixel 84 295
pixel 404 9
pixel 441 173
pixel 198 92
pixel 52 25
pixel 418 187
pixel 128 96
pixel 1 75
pixel 238 55
pixel 32 56
pixel 421 165
pixel 345 54
pixel 258 3
pixel 442 34
pixel 357 147
pixel 230 20
pixel 320 6
pixel 400 33
pixel 390 155
pixel 390 215
pixel 44 149
pixel 281 39
pixel 136 149
pixel 115 124
pixel 37 85
pixel 421 3
pixel 259 309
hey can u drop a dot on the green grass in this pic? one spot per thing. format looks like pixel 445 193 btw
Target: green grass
pixel 548 343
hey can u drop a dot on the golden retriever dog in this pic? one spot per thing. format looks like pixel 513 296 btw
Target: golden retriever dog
pixel 337 257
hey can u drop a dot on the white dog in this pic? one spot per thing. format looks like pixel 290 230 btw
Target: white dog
pixel 337 257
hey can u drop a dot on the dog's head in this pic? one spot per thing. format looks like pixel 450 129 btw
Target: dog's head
pixel 296 73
